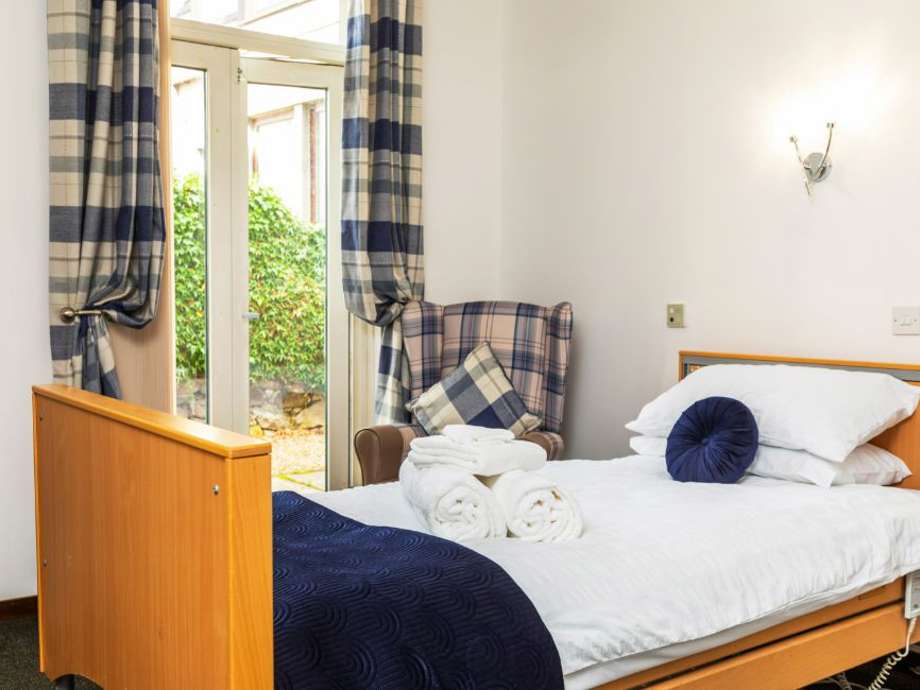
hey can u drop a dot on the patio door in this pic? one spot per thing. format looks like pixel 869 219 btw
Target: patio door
pixel 262 337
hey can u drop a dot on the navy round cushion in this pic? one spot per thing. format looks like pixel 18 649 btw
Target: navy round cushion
pixel 714 440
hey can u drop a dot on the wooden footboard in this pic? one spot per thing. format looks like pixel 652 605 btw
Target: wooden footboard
pixel 153 547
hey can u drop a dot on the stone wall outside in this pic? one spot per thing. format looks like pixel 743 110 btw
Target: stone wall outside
pixel 275 406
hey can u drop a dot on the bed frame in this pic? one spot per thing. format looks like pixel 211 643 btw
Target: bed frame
pixel 155 563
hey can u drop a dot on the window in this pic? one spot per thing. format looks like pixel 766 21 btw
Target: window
pixel 309 20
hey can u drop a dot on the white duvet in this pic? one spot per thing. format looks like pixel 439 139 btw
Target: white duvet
pixel 664 569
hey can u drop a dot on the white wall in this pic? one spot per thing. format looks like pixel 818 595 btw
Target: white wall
pixel 24 349
pixel 646 160
pixel 461 97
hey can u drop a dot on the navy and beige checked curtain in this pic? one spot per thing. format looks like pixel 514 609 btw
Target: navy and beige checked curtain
pixel 107 224
pixel 382 181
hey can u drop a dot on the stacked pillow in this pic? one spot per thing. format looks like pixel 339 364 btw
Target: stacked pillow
pixel 813 423
pixel 867 464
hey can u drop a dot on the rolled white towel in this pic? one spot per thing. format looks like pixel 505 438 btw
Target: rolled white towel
pixel 452 503
pixel 482 459
pixel 535 508
pixel 467 433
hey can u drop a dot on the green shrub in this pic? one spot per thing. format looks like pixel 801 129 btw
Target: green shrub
pixel 287 260
pixel 188 241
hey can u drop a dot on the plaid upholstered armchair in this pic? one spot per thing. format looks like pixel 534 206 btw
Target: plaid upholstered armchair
pixel 530 342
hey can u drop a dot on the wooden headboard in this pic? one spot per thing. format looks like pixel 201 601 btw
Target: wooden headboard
pixel 903 440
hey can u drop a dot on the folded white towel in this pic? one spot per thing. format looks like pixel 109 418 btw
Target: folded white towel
pixel 535 508
pixel 452 503
pixel 482 459
pixel 466 433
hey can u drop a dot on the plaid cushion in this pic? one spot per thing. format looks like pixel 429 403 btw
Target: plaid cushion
pixel 478 392
pixel 530 342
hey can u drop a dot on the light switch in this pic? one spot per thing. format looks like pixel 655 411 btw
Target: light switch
pixel 675 316
pixel 905 320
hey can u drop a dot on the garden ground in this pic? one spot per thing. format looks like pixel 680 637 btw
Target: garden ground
pixel 299 460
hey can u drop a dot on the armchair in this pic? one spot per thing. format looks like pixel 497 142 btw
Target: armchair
pixel 530 341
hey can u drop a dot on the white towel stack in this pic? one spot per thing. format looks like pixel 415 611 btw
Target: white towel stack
pixel 482 457
pixel 536 509
pixel 452 503
pixel 473 483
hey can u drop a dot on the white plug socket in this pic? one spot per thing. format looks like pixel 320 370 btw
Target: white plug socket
pixel 905 320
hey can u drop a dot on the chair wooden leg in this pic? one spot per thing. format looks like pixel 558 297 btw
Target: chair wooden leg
pixel 65 683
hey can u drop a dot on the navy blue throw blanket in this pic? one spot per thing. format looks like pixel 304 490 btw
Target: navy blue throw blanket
pixel 378 607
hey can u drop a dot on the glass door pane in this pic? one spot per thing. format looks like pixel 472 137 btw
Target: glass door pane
pixel 190 220
pixel 287 279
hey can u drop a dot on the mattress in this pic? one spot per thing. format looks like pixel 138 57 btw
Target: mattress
pixel 665 569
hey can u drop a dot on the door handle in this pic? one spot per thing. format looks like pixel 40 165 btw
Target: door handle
pixel 251 315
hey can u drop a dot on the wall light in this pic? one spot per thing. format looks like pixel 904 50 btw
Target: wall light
pixel 815 166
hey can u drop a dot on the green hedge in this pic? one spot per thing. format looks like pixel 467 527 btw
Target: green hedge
pixel 287 260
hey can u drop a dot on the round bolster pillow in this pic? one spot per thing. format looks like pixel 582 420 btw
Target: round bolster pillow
pixel 714 441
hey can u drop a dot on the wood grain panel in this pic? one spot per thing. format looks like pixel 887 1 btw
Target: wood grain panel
pixel 805 658
pixel 251 625
pixel 190 433
pixel 890 593
pixel 154 572
pixel 131 539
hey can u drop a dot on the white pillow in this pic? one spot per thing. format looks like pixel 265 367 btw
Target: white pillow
pixel 648 445
pixel 867 464
pixel 827 412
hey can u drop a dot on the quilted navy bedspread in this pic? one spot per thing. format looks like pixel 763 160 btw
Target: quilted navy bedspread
pixel 378 607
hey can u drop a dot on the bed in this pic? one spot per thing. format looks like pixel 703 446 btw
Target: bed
pixel 809 584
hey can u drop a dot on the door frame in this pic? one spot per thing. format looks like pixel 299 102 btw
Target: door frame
pixel 227 75
pixel 330 78
pixel 222 151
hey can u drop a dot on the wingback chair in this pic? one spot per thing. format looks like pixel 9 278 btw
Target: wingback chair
pixel 531 342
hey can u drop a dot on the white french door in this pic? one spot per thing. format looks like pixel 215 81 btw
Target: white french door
pixel 262 335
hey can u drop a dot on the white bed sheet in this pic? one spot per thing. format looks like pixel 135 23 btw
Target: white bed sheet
pixel 665 569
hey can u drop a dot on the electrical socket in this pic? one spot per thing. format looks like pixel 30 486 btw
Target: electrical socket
pixel 912 595
pixel 905 320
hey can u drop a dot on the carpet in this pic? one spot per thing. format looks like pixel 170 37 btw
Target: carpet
pixel 19 663
pixel 19 657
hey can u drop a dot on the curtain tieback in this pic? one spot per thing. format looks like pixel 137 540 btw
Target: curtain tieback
pixel 68 314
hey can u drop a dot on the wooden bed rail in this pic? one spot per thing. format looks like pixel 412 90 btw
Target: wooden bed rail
pixel 153 546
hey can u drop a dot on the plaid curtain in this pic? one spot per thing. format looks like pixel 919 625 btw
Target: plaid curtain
pixel 107 224
pixel 382 181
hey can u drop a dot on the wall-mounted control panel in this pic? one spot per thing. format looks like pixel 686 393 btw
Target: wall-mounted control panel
pixel 912 595
pixel 905 320
pixel 675 316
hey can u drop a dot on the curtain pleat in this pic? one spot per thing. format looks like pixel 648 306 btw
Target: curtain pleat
pixel 382 239
pixel 107 226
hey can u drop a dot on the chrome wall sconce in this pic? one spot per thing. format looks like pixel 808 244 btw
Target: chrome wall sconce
pixel 815 166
